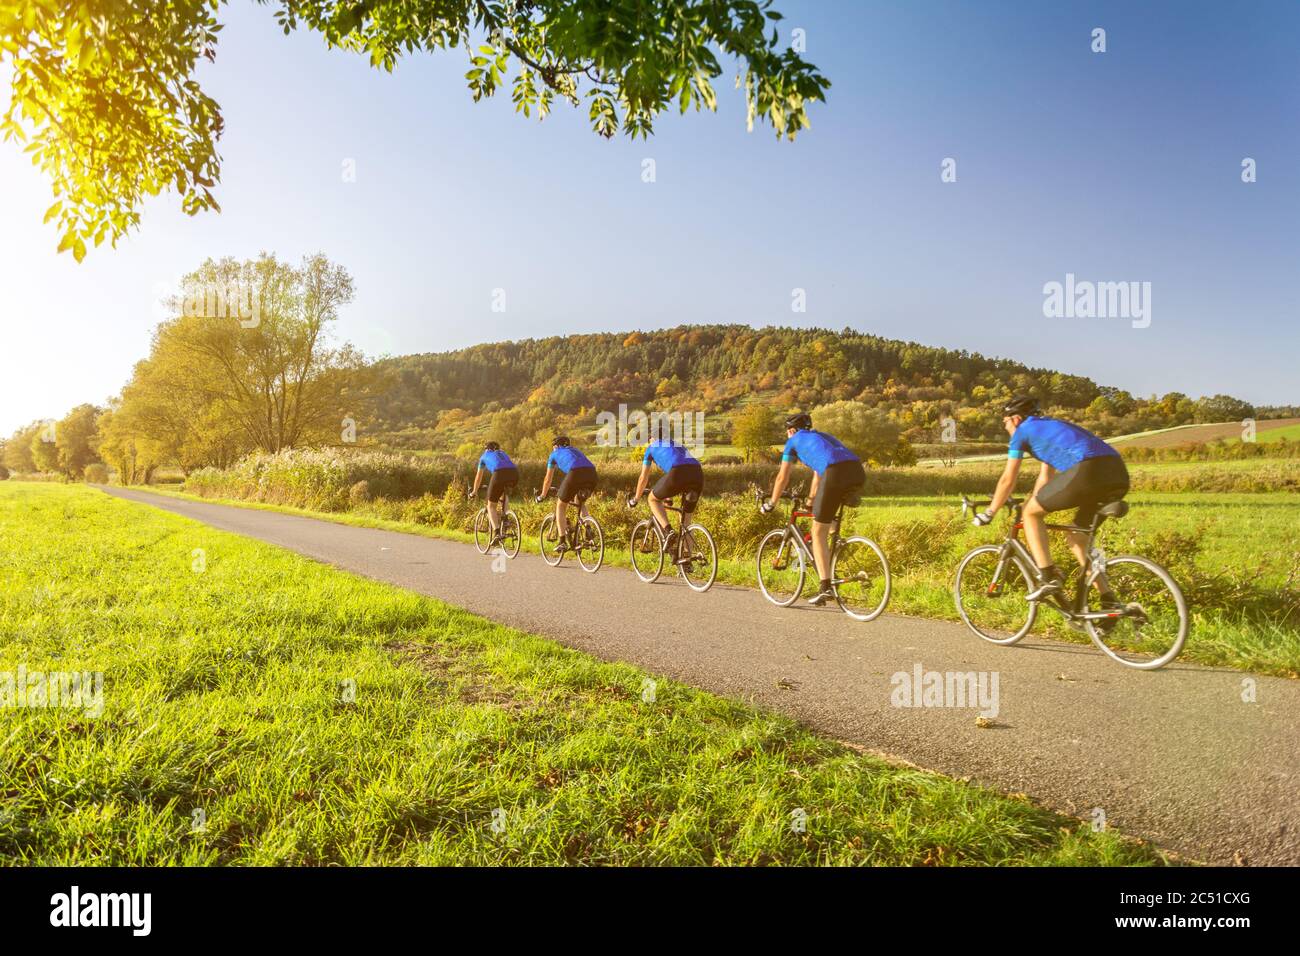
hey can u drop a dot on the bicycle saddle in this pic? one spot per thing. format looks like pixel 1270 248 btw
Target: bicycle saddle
pixel 1116 509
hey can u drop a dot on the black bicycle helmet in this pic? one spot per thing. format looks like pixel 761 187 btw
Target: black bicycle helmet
pixel 1022 405
pixel 492 446
pixel 799 420
pixel 560 441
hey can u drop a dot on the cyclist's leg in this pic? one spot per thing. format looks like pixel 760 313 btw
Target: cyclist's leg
pixel 1103 480
pixel 493 498
pixel 503 480
pixel 561 517
pixel 841 481
pixel 1034 515
pixel 665 488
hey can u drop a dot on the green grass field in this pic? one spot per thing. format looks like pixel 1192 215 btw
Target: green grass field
pixel 259 708
pixel 1289 433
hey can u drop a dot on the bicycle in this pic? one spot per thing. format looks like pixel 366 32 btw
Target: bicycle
pixel 860 576
pixel 583 538
pixel 509 535
pixel 1149 620
pixel 694 554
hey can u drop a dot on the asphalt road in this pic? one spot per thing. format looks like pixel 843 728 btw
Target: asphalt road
pixel 1175 756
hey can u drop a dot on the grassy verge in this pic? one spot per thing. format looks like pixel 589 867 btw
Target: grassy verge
pixel 259 708
pixel 1236 556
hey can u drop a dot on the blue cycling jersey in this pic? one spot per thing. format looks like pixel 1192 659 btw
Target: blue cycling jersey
pixel 566 459
pixel 1054 442
pixel 667 454
pixel 817 450
pixel 495 461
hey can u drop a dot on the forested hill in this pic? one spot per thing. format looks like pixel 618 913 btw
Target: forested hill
pixel 717 369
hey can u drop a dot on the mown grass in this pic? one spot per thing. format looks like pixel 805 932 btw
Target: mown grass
pixel 229 734
pixel 1236 556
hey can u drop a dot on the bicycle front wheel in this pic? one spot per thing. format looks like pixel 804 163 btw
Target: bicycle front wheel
pixel 861 579
pixel 990 592
pixel 781 568
pixel 482 531
pixel 698 564
pixel 647 552
pixel 511 535
pixel 1153 622
pixel 548 540
pixel 591 545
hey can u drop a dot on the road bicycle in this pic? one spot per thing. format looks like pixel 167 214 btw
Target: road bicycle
pixel 509 536
pixel 860 577
pixel 584 537
pixel 690 547
pixel 1144 628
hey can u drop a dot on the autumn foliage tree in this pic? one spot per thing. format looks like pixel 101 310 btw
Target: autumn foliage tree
pixel 257 372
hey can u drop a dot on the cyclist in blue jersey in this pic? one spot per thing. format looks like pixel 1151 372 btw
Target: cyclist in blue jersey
pixel 504 476
pixel 577 485
pixel 1079 470
pixel 838 477
pixel 682 476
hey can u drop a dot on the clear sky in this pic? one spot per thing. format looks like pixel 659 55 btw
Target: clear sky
pixel 1119 166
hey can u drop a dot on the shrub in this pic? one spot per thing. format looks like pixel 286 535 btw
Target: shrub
pixel 96 473
pixel 359 493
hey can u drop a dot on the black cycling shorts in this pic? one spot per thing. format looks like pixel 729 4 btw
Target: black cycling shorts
pixel 841 483
pixel 503 479
pixel 578 484
pixel 686 480
pixel 1087 486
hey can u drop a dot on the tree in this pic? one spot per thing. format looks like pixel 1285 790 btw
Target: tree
pixel 44 448
pixel 18 449
pixel 756 431
pixel 1223 408
pixel 273 373
pixel 75 440
pixel 105 95
pixel 864 430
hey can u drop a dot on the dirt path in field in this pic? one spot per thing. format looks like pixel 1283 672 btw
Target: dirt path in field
pixel 1175 756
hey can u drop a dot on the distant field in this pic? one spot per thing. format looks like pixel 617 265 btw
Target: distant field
pixel 1289 432
pixel 1199 434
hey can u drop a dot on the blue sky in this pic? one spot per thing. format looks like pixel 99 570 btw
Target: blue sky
pixel 1121 166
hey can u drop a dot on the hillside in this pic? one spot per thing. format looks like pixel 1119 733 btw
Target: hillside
pixel 435 401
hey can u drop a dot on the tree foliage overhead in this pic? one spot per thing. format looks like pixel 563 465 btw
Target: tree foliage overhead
pixel 105 99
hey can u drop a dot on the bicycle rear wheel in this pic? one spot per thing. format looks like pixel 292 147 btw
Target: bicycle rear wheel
pixel 990 593
pixel 548 540
pixel 646 551
pixel 861 578
pixel 482 531
pixel 700 567
pixel 511 535
pixel 591 545
pixel 1151 630
pixel 781 568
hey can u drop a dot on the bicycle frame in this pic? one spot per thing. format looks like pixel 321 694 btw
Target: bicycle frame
pixel 581 507
pixel 1095 569
pixel 794 533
